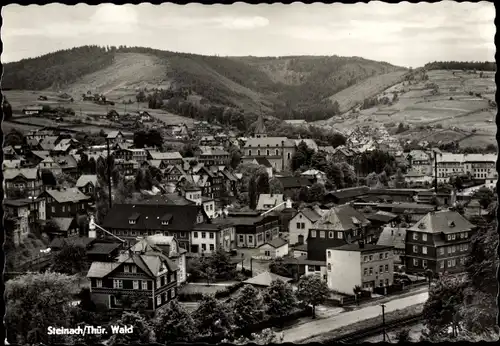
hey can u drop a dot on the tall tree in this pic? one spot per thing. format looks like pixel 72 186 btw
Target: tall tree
pixel 248 307
pixel 253 194
pixel 69 260
pixel 302 156
pixel 142 331
pixel 174 324
pixel 313 291
pixel 213 317
pixel 275 186
pixel 316 192
pixel 335 174
pixel 34 302
pixel 262 181
pixel 280 299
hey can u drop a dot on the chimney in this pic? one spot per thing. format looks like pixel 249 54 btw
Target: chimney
pixel 92 231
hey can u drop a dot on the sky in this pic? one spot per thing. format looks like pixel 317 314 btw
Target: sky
pixel 403 34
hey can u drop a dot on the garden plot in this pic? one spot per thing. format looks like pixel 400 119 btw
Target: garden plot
pixel 451 105
pixel 479 141
pixel 423 116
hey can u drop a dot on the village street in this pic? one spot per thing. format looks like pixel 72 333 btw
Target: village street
pixel 297 333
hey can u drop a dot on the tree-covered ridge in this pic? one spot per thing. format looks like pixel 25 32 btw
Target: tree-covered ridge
pixel 462 65
pixel 56 69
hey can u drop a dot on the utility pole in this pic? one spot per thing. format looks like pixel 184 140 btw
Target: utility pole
pixel 109 175
pixel 383 321
pixel 435 172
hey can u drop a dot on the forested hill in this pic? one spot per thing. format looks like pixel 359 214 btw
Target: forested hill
pixel 461 65
pixel 287 87
pixel 55 69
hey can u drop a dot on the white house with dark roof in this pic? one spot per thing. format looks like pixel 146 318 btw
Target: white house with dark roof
pixel 301 223
pixel 136 274
pixel 396 237
pixel 276 248
pixel 22 182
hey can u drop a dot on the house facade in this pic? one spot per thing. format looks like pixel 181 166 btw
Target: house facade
pixel 275 248
pixel 252 229
pixel 208 238
pixel 147 275
pixel 129 221
pixel 22 182
pixel 65 202
pixel 365 265
pixel 440 241
pixel 301 223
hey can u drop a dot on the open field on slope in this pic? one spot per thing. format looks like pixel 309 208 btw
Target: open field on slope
pixel 370 87
pixel 434 118
pixel 19 99
pixel 128 72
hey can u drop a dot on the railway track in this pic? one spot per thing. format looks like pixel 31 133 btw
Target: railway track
pixel 363 334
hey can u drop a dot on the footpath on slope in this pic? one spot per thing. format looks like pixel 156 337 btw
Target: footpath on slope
pixel 320 326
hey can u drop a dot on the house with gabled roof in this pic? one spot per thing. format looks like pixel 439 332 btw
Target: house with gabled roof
pixel 338 226
pixel 115 137
pixel 269 200
pixel 440 241
pixel 275 248
pixel 65 146
pixel 136 274
pixel 212 156
pixel 168 158
pixel 301 223
pixel 49 143
pixel 395 237
pixel 87 183
pixel 22 182
pixel 50 164
pixel 65 202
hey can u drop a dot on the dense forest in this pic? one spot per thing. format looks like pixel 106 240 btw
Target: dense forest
pixel 56 69
pixel 461 65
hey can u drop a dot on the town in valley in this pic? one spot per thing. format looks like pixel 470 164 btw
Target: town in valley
pixel 247 199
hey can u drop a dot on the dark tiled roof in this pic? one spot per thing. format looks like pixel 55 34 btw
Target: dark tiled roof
pixel 445 221
pixel 342 218
pixel 58 243
pixel 294 182
pixel 276 242
pixel 350 192
pixel 389 192
pixel 102 248
pixel 312 215
pixel 149 216
pixel 392 237
pixel 366 247
pixel 263 161
pixel 67 195
pixel 301 247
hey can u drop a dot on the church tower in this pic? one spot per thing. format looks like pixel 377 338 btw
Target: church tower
pixel 260 128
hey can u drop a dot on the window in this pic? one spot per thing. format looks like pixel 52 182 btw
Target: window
pixel 386 255
pixel 424 263
pixel 99 283
pixel 298 225
pixel 136 285
pixel 365 272
pixel 453 237
pixel 172 293
pixel 63 208
pixel 386 268
pixel 126 269
pixel 131 222
pixel 339 235
pixel 144 285
pixel 267 253
pixel 449 263
pixel 466 247
pixel 424 250
pixel 441 264
pixel 277 152
pixel 158 282
pixel 381 269
pixel 204 247
pixel 381 284
pixel 441 250
pixel 381 256
pixel 195 234
pixel 415 236
pixel 453 249
pixel 371 257
pixel 415 248
pixel 158 299
pixel 449 249
pixel 203 235
pixel 448 237
pixel 53 209
pixel 329 267
pixel 329 254
pixel 466 234
pixel 371 271
pixel 250 239
pixel 212 247
pixel 117 283
pixel 330 234
pixel 415 262
pixel 424 237
pixel 387 282
pixel 365 259
pixel 241 238
pixel 321 234
pixel 313 234
pixel 310 268
pixel 211 235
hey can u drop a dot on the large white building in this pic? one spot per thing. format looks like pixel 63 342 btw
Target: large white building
pixel 449 165
pixel 482 167
pixel 364 265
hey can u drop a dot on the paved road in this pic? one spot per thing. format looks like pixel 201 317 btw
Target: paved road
pixel 314 328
